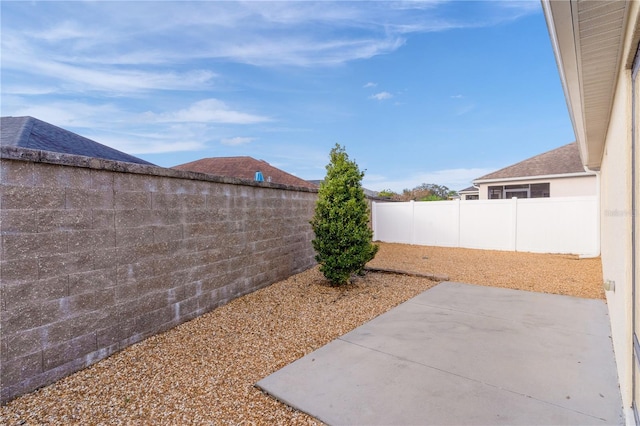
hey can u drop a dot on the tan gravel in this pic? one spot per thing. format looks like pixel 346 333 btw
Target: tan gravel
pixel 203 371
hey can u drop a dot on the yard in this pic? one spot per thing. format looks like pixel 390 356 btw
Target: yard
pixel 203 371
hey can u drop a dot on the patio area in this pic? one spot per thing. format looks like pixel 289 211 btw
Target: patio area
pixel 205 370
pixel 461 354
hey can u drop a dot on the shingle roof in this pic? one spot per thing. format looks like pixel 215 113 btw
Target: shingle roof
pixel 559 161
pixel 469 189
pixel 243 167
pixel 31 133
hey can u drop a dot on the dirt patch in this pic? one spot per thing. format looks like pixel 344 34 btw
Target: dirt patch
pixel 545 273
pixel 203 371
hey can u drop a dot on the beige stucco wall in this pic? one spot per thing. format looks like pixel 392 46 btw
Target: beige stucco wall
pixel 615 231
pixel 616 216
pixel 576 186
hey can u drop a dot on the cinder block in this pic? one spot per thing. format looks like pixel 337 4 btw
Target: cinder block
pixel 112 334
pixel 65 264
pixel 88 239
pixel 82 303
pixel 88 198
pixel 165 201
pixel 142 235
pixel 68 351
pixel 187 307
pixel 167 233
pixel 78 325
pixel 205 229
pixel 32 315
pixel 18 173
pixel 167 217
pixel 151 301
pixel 153 320
pixel 103 219
pixel 154 284
pixel 26 292
pixel 18 270
pixel 21 246
pixel 133 218
pixel 104 258
pixel 90 281
pixel 22 368
pixel 18 222
pixel 102 180
pixel 196 215
pixel 56 176
pixel 63 220
pixel 18 344
pixel 132 200
pixel 127 292
pixel 17 197
pixel 134 272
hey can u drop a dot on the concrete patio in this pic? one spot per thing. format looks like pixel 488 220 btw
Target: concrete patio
pixel 464 354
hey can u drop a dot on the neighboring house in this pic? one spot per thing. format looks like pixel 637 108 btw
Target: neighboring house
pixel 556 173
pixel 596 44
pixel 243 168
pixel 470 193
pixel 31 133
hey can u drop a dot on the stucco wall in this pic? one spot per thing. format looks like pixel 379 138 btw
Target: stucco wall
pixel 615 230
pixel 98 255
pixel 559 187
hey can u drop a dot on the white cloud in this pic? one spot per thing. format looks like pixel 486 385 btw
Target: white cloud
pixel 457 96
pixel 148 145
pixel 206 111
pixel 381 96
pixel 454 179
pixel 370 84
pixel 236 141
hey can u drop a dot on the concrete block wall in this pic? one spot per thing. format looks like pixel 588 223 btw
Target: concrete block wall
pixel 97 255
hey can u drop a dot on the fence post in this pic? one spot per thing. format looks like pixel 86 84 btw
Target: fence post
pixel 373 220
pixel 413 221
pixel 514 223
pixel 457 218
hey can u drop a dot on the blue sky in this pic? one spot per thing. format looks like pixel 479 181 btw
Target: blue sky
pixel 418 92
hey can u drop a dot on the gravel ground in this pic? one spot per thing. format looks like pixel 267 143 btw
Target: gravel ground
pixel 203 371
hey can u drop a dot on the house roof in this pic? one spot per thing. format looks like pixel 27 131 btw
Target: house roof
pixel 31 133
pixel 245 168
pixel 469 189
pixel 559 161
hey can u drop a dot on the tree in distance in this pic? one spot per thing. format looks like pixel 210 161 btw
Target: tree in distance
pixel 343 239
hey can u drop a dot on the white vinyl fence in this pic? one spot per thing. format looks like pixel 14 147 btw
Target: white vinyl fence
pixel 542 225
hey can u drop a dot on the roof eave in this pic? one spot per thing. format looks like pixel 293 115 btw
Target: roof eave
pixel 564 30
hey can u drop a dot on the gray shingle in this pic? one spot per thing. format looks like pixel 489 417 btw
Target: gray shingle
pixel 31 133
pixel 559 161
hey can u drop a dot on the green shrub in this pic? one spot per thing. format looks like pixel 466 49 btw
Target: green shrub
pixel 341 221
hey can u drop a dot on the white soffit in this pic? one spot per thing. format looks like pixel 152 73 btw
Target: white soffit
pixel 588 37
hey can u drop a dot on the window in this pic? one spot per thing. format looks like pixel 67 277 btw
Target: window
pixel 533 190
pixel 495 192
pixel 540 190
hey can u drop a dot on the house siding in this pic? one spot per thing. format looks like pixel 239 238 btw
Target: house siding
pixel 615 216
pixel 559 187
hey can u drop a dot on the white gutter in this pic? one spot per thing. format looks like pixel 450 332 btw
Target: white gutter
pixel 558 176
